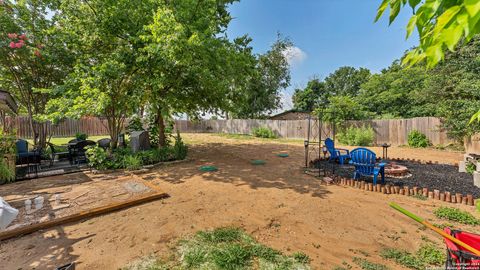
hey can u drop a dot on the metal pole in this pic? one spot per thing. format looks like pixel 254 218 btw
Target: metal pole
pixel 307 143
pixel 320 129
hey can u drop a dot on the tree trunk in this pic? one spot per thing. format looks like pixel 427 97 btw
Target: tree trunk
pixel 162 140
pixel 113 131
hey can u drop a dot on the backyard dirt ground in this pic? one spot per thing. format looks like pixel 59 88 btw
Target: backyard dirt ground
pixel 277 203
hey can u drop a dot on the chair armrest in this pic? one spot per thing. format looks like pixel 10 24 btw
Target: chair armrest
pixel 343 149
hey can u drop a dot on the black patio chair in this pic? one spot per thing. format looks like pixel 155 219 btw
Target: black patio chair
pixel 104 143
pixel 77 150
pixel 56 153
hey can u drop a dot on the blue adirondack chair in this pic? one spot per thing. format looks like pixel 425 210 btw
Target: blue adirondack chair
pixel 364 161
pixel 336 153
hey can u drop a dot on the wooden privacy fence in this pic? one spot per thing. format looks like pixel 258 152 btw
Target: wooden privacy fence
pixel 92 126
pixel 393 131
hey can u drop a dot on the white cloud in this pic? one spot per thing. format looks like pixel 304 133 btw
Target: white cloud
pixel 294 55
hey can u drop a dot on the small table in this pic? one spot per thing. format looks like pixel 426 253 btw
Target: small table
pixel 385 147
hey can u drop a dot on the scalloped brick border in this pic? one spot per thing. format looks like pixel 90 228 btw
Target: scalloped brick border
pixel 407 191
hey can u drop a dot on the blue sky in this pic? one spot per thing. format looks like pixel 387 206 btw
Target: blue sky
pixel 327 34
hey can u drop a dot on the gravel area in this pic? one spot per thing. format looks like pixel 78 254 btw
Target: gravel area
pixel 432 176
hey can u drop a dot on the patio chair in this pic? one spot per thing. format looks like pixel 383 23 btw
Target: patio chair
pixel 104 143
pixel 364 161
pixel 27 158
pixel 56 154
pixel 336 153
pixel 77 150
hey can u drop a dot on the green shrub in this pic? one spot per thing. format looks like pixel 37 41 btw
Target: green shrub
pixel 403 258
pixel 81 136
pixel 134 124
pixel 263 132
pixel 362 136
pixel 7 147
pixel 367 265
pixel 457 215
pixel 470 168
pixel 7 174
pixel 132 162
pixel 180 149
pixel 417 139
pixel 97 157
pixel 431 255
pixel 427 255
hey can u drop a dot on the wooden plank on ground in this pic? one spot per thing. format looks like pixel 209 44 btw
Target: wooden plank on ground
pixel 82 215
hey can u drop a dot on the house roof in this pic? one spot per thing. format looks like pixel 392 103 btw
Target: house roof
pixel 7 103
pixel 290 111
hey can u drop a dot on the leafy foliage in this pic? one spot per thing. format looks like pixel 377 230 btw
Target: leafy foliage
pixel 427 255
pixel 457 215
pixel 470 167
pixel 417 139
pixel 135 124
pixel 263 132
pixel 180 149
pixel 7 147
pixel 441 25
pixel 34 57
pixel 270 74
pixel 362 136
pixel 123 158
pixel 367 265
pixel 307 99
pixel 81 136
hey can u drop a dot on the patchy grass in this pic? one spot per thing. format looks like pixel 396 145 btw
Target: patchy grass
pixel 427 255
pixel 457 215
pixel 419 197
pixel 367 265
pixel 224 248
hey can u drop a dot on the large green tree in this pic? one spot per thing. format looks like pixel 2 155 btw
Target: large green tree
pixel 311 96
pixel 189 64
pixel 34 57
pixel 441 25
pixel 106 82
pixel 346 81
pixel 260 95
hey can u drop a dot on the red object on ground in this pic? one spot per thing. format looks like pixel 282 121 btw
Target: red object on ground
pixel 457 256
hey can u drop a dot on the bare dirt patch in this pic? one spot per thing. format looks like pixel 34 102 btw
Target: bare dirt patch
pixel 277 203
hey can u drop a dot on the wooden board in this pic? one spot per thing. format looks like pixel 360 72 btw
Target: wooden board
pixel 83 215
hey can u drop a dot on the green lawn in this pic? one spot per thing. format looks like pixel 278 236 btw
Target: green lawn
pixel 65 140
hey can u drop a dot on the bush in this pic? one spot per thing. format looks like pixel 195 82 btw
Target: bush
pixel 132 162
pixel 180 149
pixel 81 136
pixel 362 136
pixel 457 215
pixel 470 168
pixel 134 124
pixel 417 139
pixel 264 132
pixel 97 157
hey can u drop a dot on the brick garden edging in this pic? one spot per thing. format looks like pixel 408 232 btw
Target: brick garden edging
pixel 419 161
pixel 407 191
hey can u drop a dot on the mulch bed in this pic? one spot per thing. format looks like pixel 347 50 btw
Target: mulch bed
pixel 432 176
